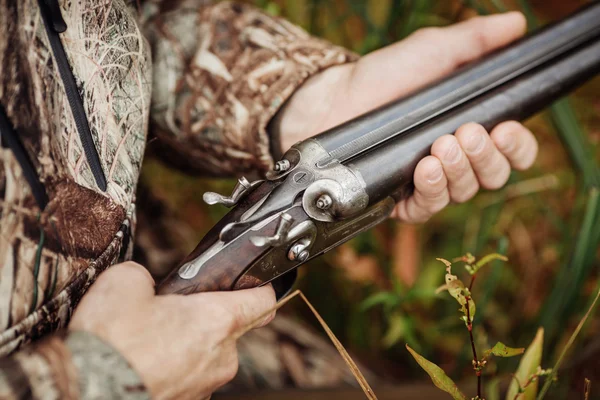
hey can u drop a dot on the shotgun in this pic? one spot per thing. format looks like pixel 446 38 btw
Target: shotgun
pixel 329 188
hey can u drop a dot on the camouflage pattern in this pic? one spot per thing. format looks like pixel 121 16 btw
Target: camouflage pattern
pixel 45 254
pixel 220 73
pixel 78 366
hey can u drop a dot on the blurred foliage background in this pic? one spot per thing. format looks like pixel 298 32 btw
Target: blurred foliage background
pixel 377 292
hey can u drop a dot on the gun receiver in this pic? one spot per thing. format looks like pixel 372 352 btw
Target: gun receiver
pixel 329 188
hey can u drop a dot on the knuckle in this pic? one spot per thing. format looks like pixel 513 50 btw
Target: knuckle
pixel 480 154
pixel 437 193
pixel 441 145
pixel 483 158
pixel 496 181
pixel 458 170
pixel 511 125
pixel 230 370
pixel 429 176
pixel 466 194
pixel 467 130
pixel 135 269
pixel 436 203
pixel 130 266
pixel 480 38
pixel 422 218
pixel 527 154
pixel 436 207
pixel 232 321
pixel 492 185
pixel 228 320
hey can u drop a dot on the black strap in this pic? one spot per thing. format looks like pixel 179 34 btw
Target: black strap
pixel 10 139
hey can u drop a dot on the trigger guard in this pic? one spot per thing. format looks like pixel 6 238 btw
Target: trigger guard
pixel 284 283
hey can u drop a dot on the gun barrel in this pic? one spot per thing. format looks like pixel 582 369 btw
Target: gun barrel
pixel 387 168
pixel 374 128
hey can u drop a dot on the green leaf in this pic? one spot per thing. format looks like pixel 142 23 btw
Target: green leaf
pixel 492 389
pixel 446 262
pixel 457 289
pixel 499 5
pixel 395 331
pixel 576 141
pixel 438 376
pixel 273 8
pixel 502 350
pixel 385 298
pixel 573 275
pixel 485 260
pixel 568 345
pixel 528 366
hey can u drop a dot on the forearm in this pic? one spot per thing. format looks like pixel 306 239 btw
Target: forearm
pixel 78 366
pixel 221 72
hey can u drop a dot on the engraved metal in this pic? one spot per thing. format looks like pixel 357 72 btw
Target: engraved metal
pixel 303 234
pixel 191 268
pixel 347 198
pixel 328 235
pixel 343 185
pixel 280 236
pixel 242 188
pixel 350 196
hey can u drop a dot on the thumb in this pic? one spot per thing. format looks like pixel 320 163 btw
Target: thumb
pixel 246 306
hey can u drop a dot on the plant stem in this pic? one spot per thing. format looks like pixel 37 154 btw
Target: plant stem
pixel 472 281
pixel 470 329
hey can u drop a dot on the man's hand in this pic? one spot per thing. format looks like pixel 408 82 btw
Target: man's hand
pixel 458 164
pixel 176 343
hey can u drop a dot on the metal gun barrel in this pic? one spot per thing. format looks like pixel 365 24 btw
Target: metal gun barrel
pixel 360 134
pixel 391 166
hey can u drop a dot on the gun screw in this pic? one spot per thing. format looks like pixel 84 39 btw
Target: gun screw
pixel 282 165
pixel 298 253
pixel 303 256
pixel 324 202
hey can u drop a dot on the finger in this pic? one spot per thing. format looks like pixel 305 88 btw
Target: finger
pixel 430 196
pixel 490 166
pixel 245 307
pixel 462 182
pixel 127 280
pixel 120 287
pixel 517 143
pixel 431 53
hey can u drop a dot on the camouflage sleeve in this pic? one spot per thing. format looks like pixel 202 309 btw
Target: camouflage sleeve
pixel 221 72
pixel 80 366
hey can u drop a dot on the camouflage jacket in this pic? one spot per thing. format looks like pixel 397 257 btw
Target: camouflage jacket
pixel 76 79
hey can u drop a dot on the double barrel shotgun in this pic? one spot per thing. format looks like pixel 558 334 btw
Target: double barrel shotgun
pixel 333 186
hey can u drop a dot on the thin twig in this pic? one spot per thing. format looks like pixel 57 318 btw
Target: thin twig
pixel 552 376
pixel 338 345
pixel 472 281
pixel 587 388
pixel 470 329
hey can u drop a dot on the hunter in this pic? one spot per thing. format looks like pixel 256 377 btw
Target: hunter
pixel 224 88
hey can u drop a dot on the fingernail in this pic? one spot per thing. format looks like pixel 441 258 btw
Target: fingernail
pixel 475 142
pixel 435 174
pixel 452 156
